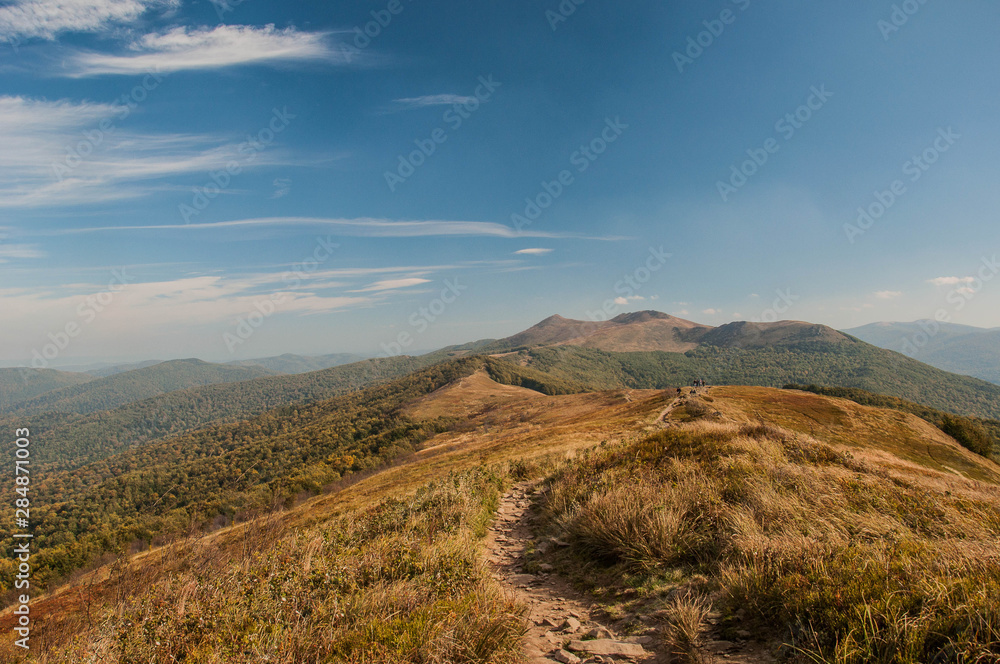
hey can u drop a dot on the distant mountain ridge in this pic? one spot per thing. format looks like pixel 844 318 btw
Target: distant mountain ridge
pixel 654 331
pixel 130 386
pixel 650 349
pixel 963 349
pixel 19 384
pixel 290 363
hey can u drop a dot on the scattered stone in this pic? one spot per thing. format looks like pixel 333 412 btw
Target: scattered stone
pixel 547 568
pixel 565 657
pixel 608 647
pixel 522 580
pixel 744 633
pixel 641 640
pixel 603 633
pixel 570 625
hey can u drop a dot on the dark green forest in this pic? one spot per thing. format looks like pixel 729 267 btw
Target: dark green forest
pixel 830 364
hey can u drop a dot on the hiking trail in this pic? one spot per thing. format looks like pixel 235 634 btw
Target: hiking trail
pixel 559 621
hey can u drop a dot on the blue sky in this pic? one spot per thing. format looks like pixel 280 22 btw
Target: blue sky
pixel 195 178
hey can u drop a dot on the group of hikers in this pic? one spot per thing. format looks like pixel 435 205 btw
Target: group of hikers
pixel 696 383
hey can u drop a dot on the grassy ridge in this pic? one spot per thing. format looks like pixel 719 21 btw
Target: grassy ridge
pixel 789 538
pixel 979 435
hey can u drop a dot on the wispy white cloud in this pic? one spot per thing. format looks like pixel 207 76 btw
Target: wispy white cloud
pixel 532 252
pixel 156 309
pixel 19 251
pixel 409 103
pixel 950 281
pixel 360 227
pixel 392 284
pixel 46 19
pixel 887 294
pixel 282 187
pixel 186 48
pixel 711 312
pixel 62 153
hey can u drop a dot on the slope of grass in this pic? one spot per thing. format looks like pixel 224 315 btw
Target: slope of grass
pixel 882 552
pixel 979 435
pixel 401 581
pixel 804 545
pixel 146 492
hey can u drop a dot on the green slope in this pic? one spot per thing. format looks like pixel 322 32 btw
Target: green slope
pixel 854 364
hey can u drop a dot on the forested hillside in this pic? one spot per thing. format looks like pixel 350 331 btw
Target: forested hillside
pixel 830 364
pixel 170 485
pixel 130 386
pixel 70 441
pixel 293 364
pixel 20 384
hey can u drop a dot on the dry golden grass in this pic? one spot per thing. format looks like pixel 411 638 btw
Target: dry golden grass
pixel 528 428
pixel 686 616
pixel 402 581
pixel 843 422
pixel 759 515
pixel 830 552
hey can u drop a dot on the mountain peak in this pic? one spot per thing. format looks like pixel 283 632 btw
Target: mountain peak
pixel 642 317
pixel 554 319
